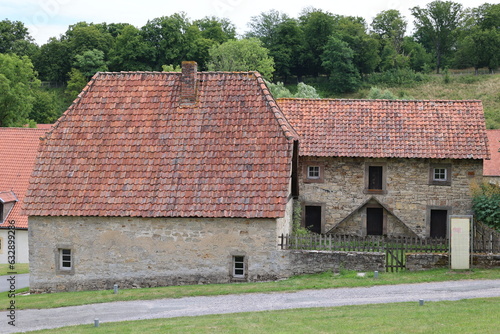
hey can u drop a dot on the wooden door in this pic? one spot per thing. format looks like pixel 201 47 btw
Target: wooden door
pixel 313 218
pixel 439 221
pixel 374 221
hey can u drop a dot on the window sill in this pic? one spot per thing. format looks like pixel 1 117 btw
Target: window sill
pixel 375 191
pixel 440 183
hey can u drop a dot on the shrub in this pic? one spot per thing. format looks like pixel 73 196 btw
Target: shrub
pixel 396 77
pixel 486 204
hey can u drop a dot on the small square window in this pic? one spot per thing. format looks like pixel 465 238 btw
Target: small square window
pixel 239 266
pixel 439 174
pixel 65 259
pixel 313 172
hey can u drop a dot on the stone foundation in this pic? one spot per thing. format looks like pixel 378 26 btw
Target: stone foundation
pixel 425 261
pixel 311 262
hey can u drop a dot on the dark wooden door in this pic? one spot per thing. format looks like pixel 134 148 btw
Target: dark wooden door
pixel 439 221
pixel 374 221
pixel 313 218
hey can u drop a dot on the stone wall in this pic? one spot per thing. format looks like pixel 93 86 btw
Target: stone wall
pixel 408 192
pixel 424 261
pixel 311 262
pixel 140 252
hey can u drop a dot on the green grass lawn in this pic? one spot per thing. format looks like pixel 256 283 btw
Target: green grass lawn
pixel 19 268
pixel 303 282
pixel 464 316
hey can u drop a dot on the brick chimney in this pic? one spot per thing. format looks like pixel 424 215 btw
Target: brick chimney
pixel 189 82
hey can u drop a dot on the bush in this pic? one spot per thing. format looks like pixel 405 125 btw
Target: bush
pixel 396 77
pixel 486 204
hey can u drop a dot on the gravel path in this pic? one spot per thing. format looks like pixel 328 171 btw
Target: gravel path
pixel 27 320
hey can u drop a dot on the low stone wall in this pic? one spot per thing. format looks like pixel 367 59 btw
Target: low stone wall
pixel 310 262
pixel 486 261
pixel 424 261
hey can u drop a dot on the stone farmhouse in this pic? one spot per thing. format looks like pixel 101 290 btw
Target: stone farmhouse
pixel 18 151
pixel 381 167
pixel 154 179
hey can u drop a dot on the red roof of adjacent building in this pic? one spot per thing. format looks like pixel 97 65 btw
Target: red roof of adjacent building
pixel 18 150
pixel 131 145
pixel 388 128
pixel 492 167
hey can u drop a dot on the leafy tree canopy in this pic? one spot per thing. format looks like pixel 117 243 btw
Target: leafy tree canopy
pixel 17 83
pixel 436 27
pixel 241 55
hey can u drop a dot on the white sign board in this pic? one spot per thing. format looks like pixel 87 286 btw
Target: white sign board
pixel 460 241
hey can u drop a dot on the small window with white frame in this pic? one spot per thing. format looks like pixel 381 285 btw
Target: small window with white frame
pixel 440 174
pixel 65 259
pixel 313 172
pixel 239 266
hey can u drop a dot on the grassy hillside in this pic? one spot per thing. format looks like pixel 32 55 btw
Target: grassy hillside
pixel 454 87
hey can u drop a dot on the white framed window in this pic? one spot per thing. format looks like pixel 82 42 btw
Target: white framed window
pixel 239 266
pixel 440 174
pixel 313 172
pixel 65 259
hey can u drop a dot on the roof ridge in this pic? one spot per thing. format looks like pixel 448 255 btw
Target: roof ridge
pixel 357 100
pixel 287 128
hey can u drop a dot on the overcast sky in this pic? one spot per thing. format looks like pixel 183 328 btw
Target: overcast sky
pixel 51 18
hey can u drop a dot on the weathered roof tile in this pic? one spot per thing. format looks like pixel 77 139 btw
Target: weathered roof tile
pixel 127 147
pixel 388 128
pixel 18 151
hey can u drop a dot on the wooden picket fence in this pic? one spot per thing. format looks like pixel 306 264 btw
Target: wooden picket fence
pixel 394 247
pixel 486 239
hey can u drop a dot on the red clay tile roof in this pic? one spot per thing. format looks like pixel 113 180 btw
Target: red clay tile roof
pixel 127 148
pixel 18 150
pixel 388 128
pixel 492 167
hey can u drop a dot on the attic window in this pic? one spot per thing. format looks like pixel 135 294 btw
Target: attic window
pixel 440 175
pixel 313 172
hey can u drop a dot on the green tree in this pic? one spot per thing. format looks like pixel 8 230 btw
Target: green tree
pixel 46 107
pixel 436 27
pixel 83 37
pixel 390 26
pixel 241 55
pixel 287 48
pixel 167 40
pixel 480 46
pixel 317 26
pixel 77 81
pixel 486 204
pixel 338 61
pixel 15 38
pixel 17 83
pixel 420 59
pixel 90 62
pixel 53 61
pixel 130 51
pixel 216 29
pixel 353 31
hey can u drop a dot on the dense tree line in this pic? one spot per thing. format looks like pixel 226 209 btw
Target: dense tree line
pixel 345 49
